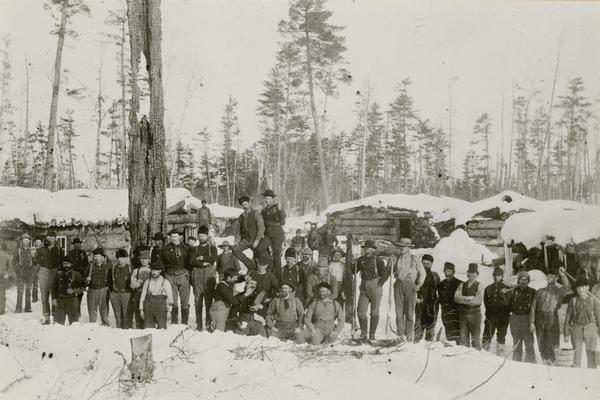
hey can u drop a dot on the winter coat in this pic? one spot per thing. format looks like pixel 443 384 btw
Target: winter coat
pixel 175 258
pixel 273 216
pixel 251 226
pixel 428 291
pixel 66 280
pixel 494 299
pixel 81 261
pixel 119 279
pixel 203 216
pixel 446 290
pixel 520 300
pixel 208 253
pixel 47 257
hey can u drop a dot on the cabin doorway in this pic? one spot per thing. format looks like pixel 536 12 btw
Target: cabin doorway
pixel 403 228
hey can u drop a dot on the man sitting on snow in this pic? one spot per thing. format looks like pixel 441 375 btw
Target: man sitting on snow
pixel 324 317
pixel 225 299
pixel 67 286
pixel 247 325
pixel 285 314
pixel 469 297
pixel 156 300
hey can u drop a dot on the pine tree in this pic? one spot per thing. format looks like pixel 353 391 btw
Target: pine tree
pixel 231 133
pixel 402 120
pixel 375 149
pixel 480 141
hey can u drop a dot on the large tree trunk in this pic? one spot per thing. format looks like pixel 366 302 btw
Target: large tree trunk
pixel 50 169
pixel 147 169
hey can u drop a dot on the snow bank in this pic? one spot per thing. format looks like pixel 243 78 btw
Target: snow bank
pixel 566 226
pixel 441 208
pixel 22 203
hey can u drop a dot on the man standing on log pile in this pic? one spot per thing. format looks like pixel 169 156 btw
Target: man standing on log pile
pixel 47 259
pixel 23 259
pixel 97 296
pixel 250 234
pixel 410 276
pixel 274 219
pixel 156 300
pixel 204 216
pixel 520 300
pixel 81 263
pixel 582 322
pixel 427 306
pixel 202 261
pixel 373 273
pixel 175 259
pixel 543 318
pixel 469 296
pixel 497 314
pixel 446 290
pixel 68 284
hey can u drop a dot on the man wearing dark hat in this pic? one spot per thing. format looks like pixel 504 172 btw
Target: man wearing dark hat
pixel 119 287
pixel 158 241
pixel 543 317
pixel 250 234
pixel 68 284
pixel 202 261
pixel 97 281
pixel 204 216
pixel 138 277
pixel 497 314
pixel 427 305
pixel 373 274
pixel 226 259
pixel 23 260
pixel 156 300
pixel 47 260
pixel 520 300
pixel 582 322
pixel 285 315
pixel 446 289
pixel 274 219
pixel 175 258
pixel 324 317
pixel 81 263
pixel 469 296
pixel 410 276
pixel 291 273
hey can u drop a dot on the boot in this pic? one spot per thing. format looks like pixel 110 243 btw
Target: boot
pixel 373 326
pixel 185 312
pixel 198 317
pixel 362 322
pixel 174 315
pixel 499 349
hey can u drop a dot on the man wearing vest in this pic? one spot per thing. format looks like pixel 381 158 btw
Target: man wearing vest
pixel 250 234
pixel 81 263
pixel 373 274
pixel 119 287
pixel 97 280
pixel 291 274
pixel 23 264
pixel 582 322
pixel 138 277
pixel 68 284
pixel 426 309
pixel 285 315
pixel 175 259
pixel 156 300
pixel 410 275
pixel 469 296
pixel 202 261
pixel 324 317
pixel 446 290
pixel 47 259
pixel 274 219
pixel 204 216
pixel 497 314
pixel 520 300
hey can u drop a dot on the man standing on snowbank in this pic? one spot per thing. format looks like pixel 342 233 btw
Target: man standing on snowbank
pixel 446 290
pixel 469 296
pixel 47 259
pixel 97 297
pixel 497 314
pixel 373 274
pixel 157 298
pixel 410 276
pixel 583 323
pixel 68 284
pixel 175 259
pixel 324 317
pixel 520 300
pixel 285 315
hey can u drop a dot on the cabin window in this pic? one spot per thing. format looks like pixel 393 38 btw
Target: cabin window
pixel 61 241
pixel 403 228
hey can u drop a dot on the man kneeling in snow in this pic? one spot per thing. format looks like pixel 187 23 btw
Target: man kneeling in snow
pixel 67 286
pixel 157 298
pixel 324 317
pixel 284 316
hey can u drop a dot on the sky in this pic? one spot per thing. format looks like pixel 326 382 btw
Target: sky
pixel 213 49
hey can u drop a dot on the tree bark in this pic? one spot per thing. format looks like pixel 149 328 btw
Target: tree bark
pixel 148 173
pixel 50 169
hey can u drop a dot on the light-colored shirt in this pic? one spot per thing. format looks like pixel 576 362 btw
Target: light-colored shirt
pixel 408 268
pixel 139 276
pixel 336 269
pixel 157 287
pixel 467 300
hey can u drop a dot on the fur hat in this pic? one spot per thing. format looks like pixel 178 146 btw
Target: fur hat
pixel 427 257
pixel 158 236
pixel 473 268
pixel 581 281
pixel 498 271
pixel 243 199
pixel 449 266
pixel 121 253
pixel 290 252
pixel 203 230
pixel 99 251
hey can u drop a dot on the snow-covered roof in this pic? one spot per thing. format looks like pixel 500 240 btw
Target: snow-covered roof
pixel 85 206
pixel 509 201
pixel 567 226
pixel 440 208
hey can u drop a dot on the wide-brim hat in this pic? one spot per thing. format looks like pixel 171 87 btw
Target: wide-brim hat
pixel 225 244
pixel 288 284
pixel 338 250
pixel 268 193
pixel 369 243
pixel 405 242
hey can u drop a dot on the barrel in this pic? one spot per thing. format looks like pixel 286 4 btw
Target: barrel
pixel 564 358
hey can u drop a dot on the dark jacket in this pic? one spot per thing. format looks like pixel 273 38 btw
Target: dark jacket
pixel 298 242
pixel 251 226
pixel 428 291
pixel 99 275
pixel 203 216
pixel 446 289
pixel 267 283
pixel 81 262
pixel 23 260
pixel 208 252
pixel 520 300
pixel 226 261
pixel 119 279
pixel 273 216
pixel 224 293
pixel 48 258
pixel 293 276
pixel 373 268
pixel 68 280
pixel 175 258
pixel 495 300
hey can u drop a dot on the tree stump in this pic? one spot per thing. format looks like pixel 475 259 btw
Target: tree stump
pixel 142 366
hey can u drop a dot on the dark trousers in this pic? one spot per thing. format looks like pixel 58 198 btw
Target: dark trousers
pixel 135 301
pixel 67 307
pixel 519 329
pixel 261 249
pixel 123 308
pixel 495 323
pixel 24 283
pixel 451 324
pixel 470 327
pixel 547 330
pixel 425 319
pixel 276 237
pixel 155 311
